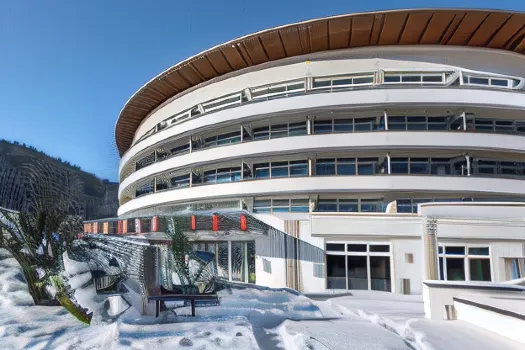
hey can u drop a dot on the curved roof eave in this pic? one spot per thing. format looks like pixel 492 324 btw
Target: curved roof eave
pixel 503 30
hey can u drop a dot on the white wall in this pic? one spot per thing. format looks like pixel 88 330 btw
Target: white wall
pixel 276 279
pixel 506 326
pixel 332 142
pixel 435 298
pixel 464 210
pixel 480 229
pixel 370 224
pixel 333 184
pixel 309 283
pixel 403 269
pixel 501 250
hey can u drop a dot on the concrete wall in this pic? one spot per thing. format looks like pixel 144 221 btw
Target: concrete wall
pixel 443 293
pixel 506 326
pixel 309 283
pixel 403 269
pixel 275 279
pixel 465 210
pixel 370 224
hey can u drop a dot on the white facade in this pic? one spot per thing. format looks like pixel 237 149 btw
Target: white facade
pixel 330 139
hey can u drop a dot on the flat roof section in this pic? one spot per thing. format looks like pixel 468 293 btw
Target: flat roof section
pixel 503 30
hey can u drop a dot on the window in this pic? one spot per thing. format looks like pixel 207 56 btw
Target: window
pixel 464 263
pixel 323 126
pixel 370 205
pixel 180 181
pixel 281 169
pixel 335 247
pixel 335 166
pixel 327 205
pixel 296 205
pixel 145 161
pixel 262 133
pixel 343 125
pixel 278 90
pixel 221 102
pixel 144 189
pixel 365 124
pixel 343 81
pixel 222 175
pixel 223 139
pixel 367 166
pixel 356 247
pixel 362 266
pixel 338 205
pixel 262 170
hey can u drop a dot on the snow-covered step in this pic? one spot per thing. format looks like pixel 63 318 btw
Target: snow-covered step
pixel 502 315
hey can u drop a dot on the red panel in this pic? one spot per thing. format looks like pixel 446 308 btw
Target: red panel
pixel 95 227
pixel 244 223
pixel 124 226
pixel 215 223
pixel 119 227
pixel 155 224
pixel 193 222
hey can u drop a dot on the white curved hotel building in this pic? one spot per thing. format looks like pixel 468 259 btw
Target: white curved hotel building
pixel 316 127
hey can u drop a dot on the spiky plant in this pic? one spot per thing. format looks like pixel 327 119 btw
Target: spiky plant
pixel 183 253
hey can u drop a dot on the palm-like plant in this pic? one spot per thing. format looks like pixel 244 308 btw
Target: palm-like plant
pixel 183 254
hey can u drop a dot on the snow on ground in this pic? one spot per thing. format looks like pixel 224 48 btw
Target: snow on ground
pixel 403 315
pixel 246 319
pixel 240 322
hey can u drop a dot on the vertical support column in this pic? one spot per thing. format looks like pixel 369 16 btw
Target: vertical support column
pixel 368 268
pixel 246 273
pixel 191 177
pixel 464 118
pixel 467 157
pixel 230 269
pixel 154 184
pixel 309 129
pixel 310 166
pixel 191 145
pixel 242 169
pixel 430 250
pixel 385 114
pixel 388 163
pixel 242 133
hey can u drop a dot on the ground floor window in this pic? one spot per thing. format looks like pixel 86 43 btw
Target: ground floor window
pixel 515 268
pixel 235 261
pixel 361 266
pixel 464 263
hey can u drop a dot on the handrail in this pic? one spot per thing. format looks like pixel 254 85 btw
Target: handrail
pixel 378 80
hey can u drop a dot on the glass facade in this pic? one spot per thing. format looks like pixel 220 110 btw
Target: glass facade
pixel 237 257
pixel 358 266
pixel 464 263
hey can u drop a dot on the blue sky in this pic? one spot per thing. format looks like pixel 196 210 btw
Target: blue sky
pixel 68 67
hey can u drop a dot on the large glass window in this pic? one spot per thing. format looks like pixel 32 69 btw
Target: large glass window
pixel 365 266
pixel 281 169
pixel 277 205
pixel 464 263
pixel 335 271
pixel 357 272
pixel 222 175
pixel 367 166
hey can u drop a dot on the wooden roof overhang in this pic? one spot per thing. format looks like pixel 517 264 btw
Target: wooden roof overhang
pixel 502 30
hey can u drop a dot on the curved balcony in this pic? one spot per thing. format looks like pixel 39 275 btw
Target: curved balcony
pixel 379 98
pixel 391 141
pixel 331 184
pixel 384 78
